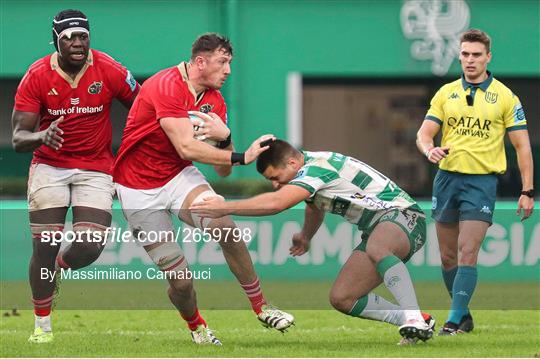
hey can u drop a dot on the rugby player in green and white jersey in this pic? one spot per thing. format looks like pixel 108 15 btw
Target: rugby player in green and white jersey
pixel 393 227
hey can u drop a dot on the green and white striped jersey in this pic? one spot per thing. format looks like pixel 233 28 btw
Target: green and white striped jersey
pixel 350 188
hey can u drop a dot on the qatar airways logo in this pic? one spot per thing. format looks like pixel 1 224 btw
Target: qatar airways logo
pixel 74 110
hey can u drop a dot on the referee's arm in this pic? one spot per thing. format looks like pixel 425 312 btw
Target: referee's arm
pixel 520 141
pixel 424 141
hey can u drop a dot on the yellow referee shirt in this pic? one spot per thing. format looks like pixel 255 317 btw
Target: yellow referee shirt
pixel 474 120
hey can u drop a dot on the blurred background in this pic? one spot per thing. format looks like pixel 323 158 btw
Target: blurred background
pixel 349 76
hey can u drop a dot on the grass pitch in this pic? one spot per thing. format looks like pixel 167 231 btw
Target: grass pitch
pixel 318 333
pixel 143 327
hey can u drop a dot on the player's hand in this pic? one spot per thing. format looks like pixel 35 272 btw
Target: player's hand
pixel 300 244
pixel 212 127
pixel 255 149
pixel 525 204
pixel 52 136
pixel 436 154
pixel 210 207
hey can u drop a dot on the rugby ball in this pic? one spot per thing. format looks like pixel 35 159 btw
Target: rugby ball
pixel 198 125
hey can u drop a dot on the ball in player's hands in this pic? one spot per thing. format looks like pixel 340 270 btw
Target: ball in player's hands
pixel 198 126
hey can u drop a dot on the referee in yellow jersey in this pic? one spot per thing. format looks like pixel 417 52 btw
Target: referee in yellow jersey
pixel 474 113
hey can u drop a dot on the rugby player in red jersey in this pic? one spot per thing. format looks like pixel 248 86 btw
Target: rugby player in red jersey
pixel 67 96
pixel 156 178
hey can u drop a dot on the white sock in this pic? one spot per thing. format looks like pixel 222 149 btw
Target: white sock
pixel 43 323
pixel 398 281
pixel 378 308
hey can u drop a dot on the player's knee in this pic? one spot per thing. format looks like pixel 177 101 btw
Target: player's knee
pixel 448 259
pixel 44 254
pixel 468 257
pixel 44 249
pixel 376 254
pixel 46 241
pixel 87 252
pixel 169 258
pixel 341 301
pixel 90 242
pixel 204 222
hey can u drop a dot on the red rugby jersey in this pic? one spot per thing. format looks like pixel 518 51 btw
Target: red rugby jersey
pixel 85 104
pixel 147 158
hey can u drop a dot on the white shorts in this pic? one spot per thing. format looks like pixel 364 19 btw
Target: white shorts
pixel 150 210
pixel 51 187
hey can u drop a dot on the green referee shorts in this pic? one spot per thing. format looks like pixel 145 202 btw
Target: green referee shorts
pixel 461 197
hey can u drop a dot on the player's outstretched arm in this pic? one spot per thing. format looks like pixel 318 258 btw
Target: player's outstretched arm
pixel 261 205
pixel 26 140
pixel 424 142
pixel 313 219
pixel 180 133
pixel 520 141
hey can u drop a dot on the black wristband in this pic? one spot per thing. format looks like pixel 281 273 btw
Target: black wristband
pixel 225 143
pixel 238 158
pixel 529 193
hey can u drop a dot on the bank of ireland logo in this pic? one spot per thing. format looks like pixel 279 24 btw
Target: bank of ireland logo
pixel 435 27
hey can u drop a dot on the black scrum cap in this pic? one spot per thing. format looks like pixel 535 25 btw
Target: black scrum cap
pixel 66 22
